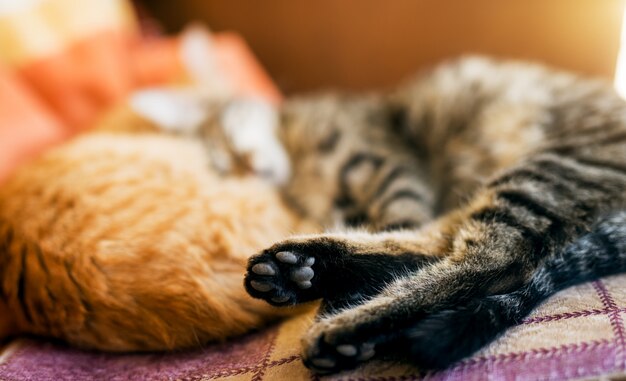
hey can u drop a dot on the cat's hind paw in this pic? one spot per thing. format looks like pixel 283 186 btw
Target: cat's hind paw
pixel 328 350
pixel 281 278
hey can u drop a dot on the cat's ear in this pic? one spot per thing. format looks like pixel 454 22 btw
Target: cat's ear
pixel 251 126
pixel 181 111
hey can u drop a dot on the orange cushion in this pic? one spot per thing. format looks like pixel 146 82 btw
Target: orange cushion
pixel 26 124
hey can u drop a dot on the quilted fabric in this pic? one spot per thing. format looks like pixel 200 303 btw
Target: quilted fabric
pixel 577 334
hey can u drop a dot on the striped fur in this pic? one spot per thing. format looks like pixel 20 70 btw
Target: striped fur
pixel 464 329
pixel 491 168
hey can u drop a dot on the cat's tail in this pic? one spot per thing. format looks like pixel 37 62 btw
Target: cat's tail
pixel 447 336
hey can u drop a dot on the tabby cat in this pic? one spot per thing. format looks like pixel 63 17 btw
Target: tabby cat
pixel 484 187
pixel 481 188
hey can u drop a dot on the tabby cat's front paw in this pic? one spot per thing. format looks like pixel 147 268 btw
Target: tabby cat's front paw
pixel 281 278
pixel 293 271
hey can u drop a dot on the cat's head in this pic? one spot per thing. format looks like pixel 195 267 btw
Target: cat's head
pixel 249 129
pixel 299 145
pixel 275 142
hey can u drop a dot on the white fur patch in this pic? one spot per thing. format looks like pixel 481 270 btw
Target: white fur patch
pixel 251 126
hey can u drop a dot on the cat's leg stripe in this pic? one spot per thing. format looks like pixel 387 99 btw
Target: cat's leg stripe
pixel 602 164
pixel 402 194
pixel 518 198
pixel 389 178
pixel 571 175
pixel 505 217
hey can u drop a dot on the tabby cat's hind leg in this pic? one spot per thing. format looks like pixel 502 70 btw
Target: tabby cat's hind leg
pixel 464 329
pixel 493 247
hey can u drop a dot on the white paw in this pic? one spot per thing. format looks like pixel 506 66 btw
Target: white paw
pixel 251 126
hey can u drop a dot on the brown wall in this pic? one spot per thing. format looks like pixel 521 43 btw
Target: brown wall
pixel 307 44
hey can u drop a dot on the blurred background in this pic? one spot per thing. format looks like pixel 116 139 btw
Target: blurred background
pixel 363 44
pixel 65 65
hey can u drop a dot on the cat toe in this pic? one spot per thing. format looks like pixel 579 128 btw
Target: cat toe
pixel 264 269
pixel 302 274
pixel 287 257
pixel 261 286
pixel 280 299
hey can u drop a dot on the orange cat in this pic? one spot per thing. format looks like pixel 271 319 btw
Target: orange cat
pixel 129 241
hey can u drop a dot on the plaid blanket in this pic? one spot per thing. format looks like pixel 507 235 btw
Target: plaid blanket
pixel 578 334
